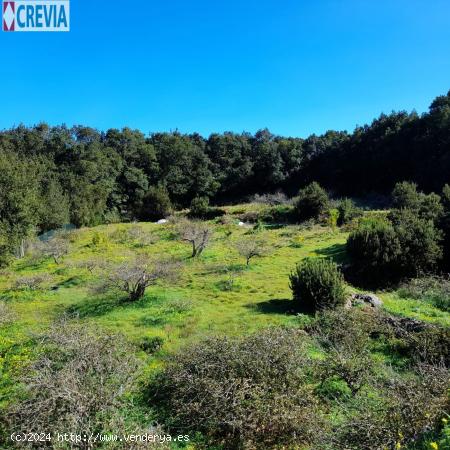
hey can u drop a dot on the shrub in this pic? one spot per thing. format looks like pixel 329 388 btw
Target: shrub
pixel 32 282
pixel 199 207
pixel 312 202
pixel 151 344
pixel 406 196
pixel 248 393
pixel 348 211
pixel 77 383
pixel 419 243
pixel 156 204
pixel 431 289
pixel 317 283
pixel 374 249
pixel 333 217
pixel 6 314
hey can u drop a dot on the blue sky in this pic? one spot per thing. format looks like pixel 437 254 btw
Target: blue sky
pixel 297 67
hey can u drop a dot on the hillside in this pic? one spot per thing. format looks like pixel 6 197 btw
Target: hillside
pixel 213 295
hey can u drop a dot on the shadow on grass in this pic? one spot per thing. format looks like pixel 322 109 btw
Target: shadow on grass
pixel 100 306
pixel 278 306
pixel 336 252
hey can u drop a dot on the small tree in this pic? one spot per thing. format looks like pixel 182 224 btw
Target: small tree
pixel 199 207
pixel 312 202
pixel 156 204
pixel 317 283
pixel 347 211
pixel 56 247
pixel 251 248
pixel 135 277
pixel 198 234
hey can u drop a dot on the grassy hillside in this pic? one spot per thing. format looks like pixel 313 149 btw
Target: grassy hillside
pixel 214 294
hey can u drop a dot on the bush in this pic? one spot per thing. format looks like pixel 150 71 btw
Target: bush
pixel 406 196
pixel 248 393
pixel 199 207
pixel 156 204
pixel 77 383
pixel 374 249
pixel 312 202
pixel 152 344
pixel 348 211
pixel 32 282
pixel 419 243
pixel 317 283
pixel 432 289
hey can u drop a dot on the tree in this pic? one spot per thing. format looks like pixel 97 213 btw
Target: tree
pixel 312 202
pixel 56 247
pixel 251 248
pixel 136 276
pixel 317 283
pixel 198 234
pixel 199 207
pixel 156 204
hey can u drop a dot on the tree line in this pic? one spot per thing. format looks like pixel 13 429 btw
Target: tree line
pixel 52 176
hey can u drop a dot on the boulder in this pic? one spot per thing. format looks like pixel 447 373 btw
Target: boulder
pixel 366 299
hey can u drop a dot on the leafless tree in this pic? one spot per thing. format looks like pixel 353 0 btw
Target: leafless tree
pixel 32 282
pixel 250 248
pixel 197 233
pixel 136 276
pixel 56 247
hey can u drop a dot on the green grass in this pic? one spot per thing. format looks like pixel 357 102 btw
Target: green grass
pixel 197 304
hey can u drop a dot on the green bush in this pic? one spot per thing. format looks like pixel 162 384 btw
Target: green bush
pixel 156 204
pixel 348 211
pixel 374 249
pixel 199 207
pixel 317 284
pixel 312 202
pixel 151 344
pixel 419 243
pixel 406 196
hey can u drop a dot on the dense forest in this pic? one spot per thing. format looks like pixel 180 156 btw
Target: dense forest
pixel 52 176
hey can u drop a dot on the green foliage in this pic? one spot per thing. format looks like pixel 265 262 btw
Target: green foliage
pixel 419 243
pixel 333 217
pixel 431 289
pixel 316 284
pixel 155 204
pixel 199 207
pixel 312 202
pixel 384 250
pixel 348 211
pixel 406 196
pixel 151 344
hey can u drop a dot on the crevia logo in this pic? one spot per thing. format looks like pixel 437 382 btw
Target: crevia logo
pixel 36 15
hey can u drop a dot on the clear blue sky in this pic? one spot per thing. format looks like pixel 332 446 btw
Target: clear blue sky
pixel 294 66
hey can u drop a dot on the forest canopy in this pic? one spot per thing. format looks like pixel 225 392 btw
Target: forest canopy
pixel 51 176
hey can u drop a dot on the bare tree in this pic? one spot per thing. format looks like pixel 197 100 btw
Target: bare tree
pixel 197 233
pixel 136 276
pixel 56 247
pixel 250 248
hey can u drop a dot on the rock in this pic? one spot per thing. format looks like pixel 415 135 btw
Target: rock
pixel 366 299
pixel 241 224
pixel 162 221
